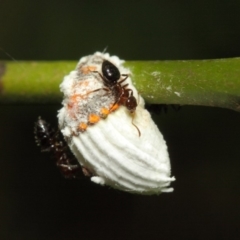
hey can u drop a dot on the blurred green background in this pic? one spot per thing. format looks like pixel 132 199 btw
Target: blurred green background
pixel 36 202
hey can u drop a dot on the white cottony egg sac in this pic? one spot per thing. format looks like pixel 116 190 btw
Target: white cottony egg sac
pixel 119 147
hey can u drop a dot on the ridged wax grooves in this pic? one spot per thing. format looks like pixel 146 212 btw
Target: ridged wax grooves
pixel 112 148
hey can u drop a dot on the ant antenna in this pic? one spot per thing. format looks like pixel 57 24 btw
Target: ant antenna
pixel 133 115
pixel 139 133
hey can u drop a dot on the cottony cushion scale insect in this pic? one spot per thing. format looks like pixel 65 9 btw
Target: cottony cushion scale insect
pixel 120 148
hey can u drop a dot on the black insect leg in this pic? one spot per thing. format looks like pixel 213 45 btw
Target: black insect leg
pixel 51 141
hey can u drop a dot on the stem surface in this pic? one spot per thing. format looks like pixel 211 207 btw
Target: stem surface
pixel 193 82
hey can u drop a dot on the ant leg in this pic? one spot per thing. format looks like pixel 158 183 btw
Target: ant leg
pixel 86 172
pixel 115 104
pixel 49 140
pixel 125 75
pixel 67 163
pixel 124 86
pixel 120 94
pixel 70 171
pixel 99 74
pixel 69 166
pixel 124 79
pixel 105 81
pixel 96 90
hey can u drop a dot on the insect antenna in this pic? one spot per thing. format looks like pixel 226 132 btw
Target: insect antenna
pixel 139 133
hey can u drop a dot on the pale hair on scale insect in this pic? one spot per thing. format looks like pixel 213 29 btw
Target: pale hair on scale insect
pixel 105 145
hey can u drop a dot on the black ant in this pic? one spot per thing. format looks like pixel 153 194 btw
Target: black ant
pixel 112 80
pixel 49 141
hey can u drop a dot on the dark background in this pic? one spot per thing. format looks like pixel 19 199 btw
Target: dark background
pixel 36 202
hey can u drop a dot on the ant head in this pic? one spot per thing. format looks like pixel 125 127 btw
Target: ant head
pixel 110 72
pixel 131 104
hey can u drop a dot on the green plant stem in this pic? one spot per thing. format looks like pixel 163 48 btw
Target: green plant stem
pixel 33 82
pixel 194 82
